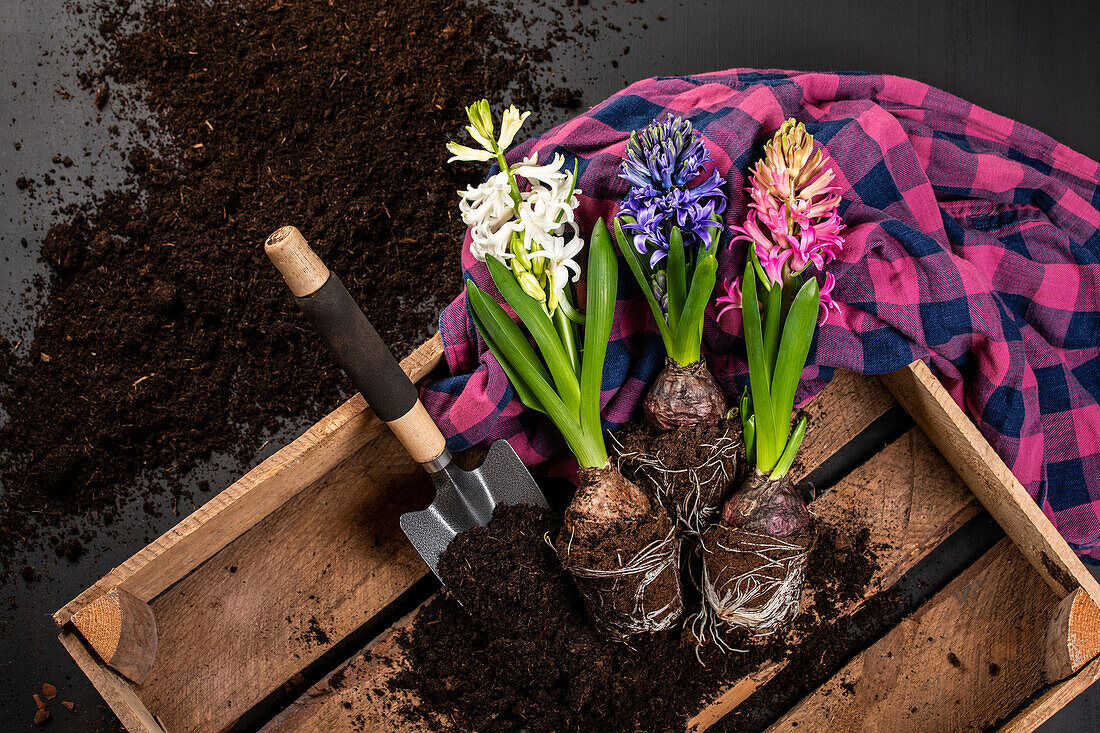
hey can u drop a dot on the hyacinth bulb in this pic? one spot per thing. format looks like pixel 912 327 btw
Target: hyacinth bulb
pixel 604 498
pixel 773 508
pixel 684 395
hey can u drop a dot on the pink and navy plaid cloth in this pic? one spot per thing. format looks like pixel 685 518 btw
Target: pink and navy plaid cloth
pixel 972 242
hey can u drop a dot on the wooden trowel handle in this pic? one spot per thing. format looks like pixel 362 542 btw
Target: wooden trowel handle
pixel 356 346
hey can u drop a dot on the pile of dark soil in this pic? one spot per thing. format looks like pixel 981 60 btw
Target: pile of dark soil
pixel 167 335
pixel 522 654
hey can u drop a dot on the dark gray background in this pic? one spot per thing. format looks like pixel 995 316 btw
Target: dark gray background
pixel 1037 62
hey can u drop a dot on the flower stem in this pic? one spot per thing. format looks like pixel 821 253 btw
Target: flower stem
pixel 516 198
pixel 568 338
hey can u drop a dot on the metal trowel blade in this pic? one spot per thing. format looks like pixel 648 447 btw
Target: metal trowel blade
pixel 466 499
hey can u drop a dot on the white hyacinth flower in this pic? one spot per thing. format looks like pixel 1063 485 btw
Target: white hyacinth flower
pixel 542 213
pixel 509 126
pixel 550 175
pixel 560 256
pixel 487 239
pixel 480 139
pixel 462 152
pixel 504 221
pixel 491 201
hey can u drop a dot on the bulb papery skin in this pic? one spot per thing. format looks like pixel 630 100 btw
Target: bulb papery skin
pixel 604 499
pixel 769 507
pixel 684 396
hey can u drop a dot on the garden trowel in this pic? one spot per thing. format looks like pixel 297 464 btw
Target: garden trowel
pixel 463 499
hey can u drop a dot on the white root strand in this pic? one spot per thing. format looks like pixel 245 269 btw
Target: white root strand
pixel 601 588
pixel 691 514
pixel 752 600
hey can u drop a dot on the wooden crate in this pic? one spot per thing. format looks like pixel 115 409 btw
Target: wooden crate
pixel 301 562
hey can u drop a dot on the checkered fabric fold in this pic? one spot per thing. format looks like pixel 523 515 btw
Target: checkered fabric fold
pixel 972 242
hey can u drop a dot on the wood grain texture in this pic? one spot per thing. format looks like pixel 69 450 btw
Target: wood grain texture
pixel 299 265
pixel 419 434
pixel 845 407
pixel 255 495
pixel 283 593
pixel 909 499
pixel 355 696
pixel 1073 637
pixel 989 478
pixel 961 662
pixel 1053 699
pixel 733 695
pixel 122 630
pixel 235 579
pixel 115 689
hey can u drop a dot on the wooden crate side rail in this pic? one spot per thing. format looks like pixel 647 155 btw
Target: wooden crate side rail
pixel 251 498
pixel 960 441
pixel 1052 700
pixel 114 688
pixel 286 591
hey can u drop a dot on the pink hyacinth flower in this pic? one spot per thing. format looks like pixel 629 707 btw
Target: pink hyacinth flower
pixel 732 299
pixel 772 261
pixel 772 255
pixel 792 220
pixel 816 243
pixel 826 296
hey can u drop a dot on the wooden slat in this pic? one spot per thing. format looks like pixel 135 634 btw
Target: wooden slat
pixel 355 696
pixel 1052 700
pixel 735 694
pixel 844 408
pixel 283 593
pixel 910 500
pixel 115 689
pixel 990 479
pixel 837 415
pixel 935 670
pixel 258 493
pixel 908 497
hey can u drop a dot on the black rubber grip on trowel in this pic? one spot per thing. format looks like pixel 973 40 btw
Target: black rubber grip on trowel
pixel 358 349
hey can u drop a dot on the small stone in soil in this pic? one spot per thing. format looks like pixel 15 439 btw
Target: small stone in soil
pixel 49 690
pixel 41 717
